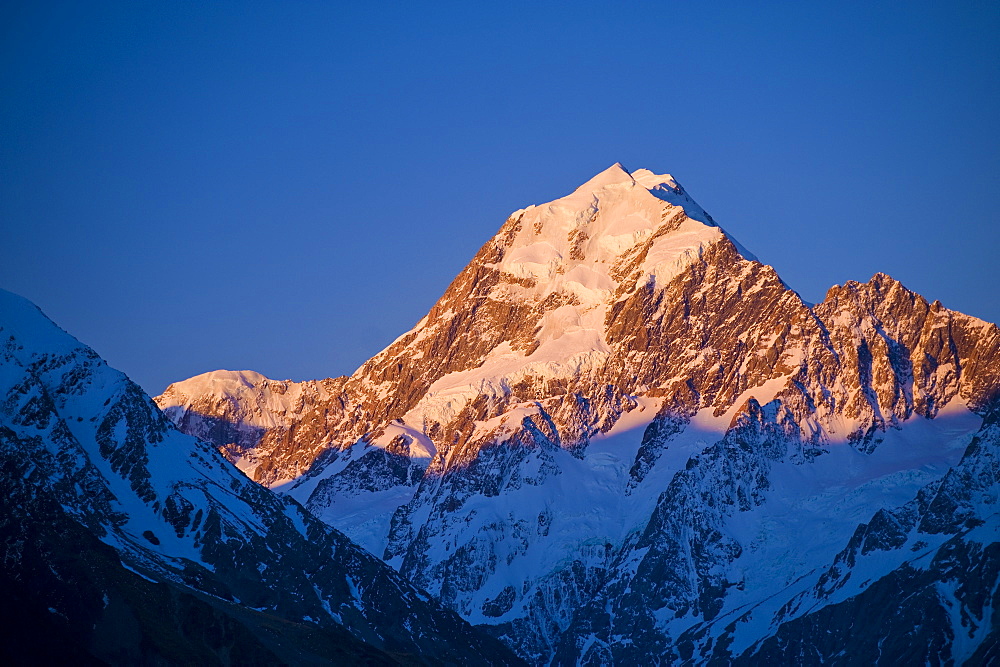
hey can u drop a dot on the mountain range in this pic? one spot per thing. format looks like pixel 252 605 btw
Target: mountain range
pixel 126 541
pixel 617 437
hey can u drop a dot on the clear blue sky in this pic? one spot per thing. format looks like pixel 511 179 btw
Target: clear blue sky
pixel 286 187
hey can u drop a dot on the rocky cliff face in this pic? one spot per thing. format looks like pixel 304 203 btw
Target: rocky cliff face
pixel 616 428
pixel 239 408
pixel 135 543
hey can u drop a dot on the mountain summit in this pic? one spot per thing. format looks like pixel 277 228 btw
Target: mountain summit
pixel 619 437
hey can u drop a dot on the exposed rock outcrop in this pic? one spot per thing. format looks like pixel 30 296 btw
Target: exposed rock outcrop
pixel 602 428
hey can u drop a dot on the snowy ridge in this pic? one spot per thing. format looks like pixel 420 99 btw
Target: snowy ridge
pixel 265 403
pixel 573 251
pixel 78 435
pixel 236 408
pixel 616 430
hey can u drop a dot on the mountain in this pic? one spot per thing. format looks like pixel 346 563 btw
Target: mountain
pixel 126 541
pixel 619 437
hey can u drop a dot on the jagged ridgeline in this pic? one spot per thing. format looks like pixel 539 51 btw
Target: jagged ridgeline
pixel 619 438
pixel 125 541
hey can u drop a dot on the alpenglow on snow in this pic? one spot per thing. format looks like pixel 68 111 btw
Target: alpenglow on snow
pixel 618 437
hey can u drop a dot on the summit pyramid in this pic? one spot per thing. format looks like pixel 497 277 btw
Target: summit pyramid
pixel 618 436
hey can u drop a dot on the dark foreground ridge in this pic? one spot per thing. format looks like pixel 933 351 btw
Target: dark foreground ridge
pixel 125 541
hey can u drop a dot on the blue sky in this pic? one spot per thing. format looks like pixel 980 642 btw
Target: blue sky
pixel 286 187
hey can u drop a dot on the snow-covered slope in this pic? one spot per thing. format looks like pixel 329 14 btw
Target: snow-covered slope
pixel 136 543
pixel 238 407
pixel 616 409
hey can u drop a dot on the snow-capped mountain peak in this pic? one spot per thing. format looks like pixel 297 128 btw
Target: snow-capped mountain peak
pixel 563 266
pixel 614 175
pixel 615 419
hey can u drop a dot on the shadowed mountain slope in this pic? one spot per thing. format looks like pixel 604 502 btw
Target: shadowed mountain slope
pixel 131 542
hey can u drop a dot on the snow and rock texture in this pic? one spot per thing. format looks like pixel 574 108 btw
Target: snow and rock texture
pixel 129 541
pixel 618 435
pixel 238 407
